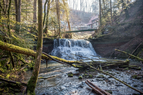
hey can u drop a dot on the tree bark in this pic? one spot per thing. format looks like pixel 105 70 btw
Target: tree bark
pixel 16 10
pixel 100 23
pixel 47 16
pixel 33 80
pixel 111 10
pixel 58 17
pixel 19 11
pixel 67 16
pixel 34 13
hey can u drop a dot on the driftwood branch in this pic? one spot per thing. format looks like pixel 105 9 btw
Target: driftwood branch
pixel 140 59
pixel 14 82
pixel 97 88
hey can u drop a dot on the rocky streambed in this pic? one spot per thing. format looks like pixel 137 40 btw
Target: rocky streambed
pixel 59 79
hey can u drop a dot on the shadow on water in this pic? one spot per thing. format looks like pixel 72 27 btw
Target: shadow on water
pixel 54 79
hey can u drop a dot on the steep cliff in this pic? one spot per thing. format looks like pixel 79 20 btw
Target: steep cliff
pixel 127 35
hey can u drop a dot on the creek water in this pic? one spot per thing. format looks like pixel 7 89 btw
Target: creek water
pixel 54 79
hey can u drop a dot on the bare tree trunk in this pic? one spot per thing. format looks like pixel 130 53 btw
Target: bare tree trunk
pixel 16 10
pixel 47 17
pixel 100 13
pixel 19 11
pixel 58 17
pixel 34 13
pixel 67 16
pixel 33 80
pixel 111 10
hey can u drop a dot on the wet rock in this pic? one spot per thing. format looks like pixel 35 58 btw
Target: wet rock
pixel 90 76
pixel 80 77
pixel 62 88
pixel 70 74
pixel 100 76
pixel 99 79
pixel 135 85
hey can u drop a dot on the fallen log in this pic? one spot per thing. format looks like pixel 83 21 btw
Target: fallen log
pixel 140 59
pixel 96 87
pixel 29 52
pixel 111 63
pixel 96 90
pixel 14 82
pixel 106 64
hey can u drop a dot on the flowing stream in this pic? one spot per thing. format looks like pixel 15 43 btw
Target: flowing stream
pixel 54 79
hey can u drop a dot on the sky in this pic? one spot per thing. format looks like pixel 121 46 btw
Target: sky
pixel 75 4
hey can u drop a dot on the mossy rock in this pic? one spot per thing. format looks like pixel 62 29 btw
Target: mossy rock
pixel 134 67
pixel 136 77
pixel 100 76
pixel 70 74
pixel 135 85
pixel 80 77
pixel 90 76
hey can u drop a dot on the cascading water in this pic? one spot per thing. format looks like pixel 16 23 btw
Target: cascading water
pixel 71 49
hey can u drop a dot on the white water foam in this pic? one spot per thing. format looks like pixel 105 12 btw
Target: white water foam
pixel 71 49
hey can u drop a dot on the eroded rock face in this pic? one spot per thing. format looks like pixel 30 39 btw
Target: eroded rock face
pixel 47 45
pixel 106 46
pixel 126 36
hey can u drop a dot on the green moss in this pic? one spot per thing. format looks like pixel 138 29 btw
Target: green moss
pixel 90 76
pixel 100 76
pixel 70 74
pixel 136 77
pixel 76 66
pixel 80 77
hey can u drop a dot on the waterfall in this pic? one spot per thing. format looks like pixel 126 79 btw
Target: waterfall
pixel 71 49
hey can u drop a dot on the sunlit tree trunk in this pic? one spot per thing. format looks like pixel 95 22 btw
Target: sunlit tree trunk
pixel 58 17
pixel 47 16
pixel 67 16
pixel 33 80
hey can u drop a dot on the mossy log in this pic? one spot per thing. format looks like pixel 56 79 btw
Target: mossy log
pixel 105 64
pixel 14 82
pixel 140 59
pixel 29 52
pixel 111 63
